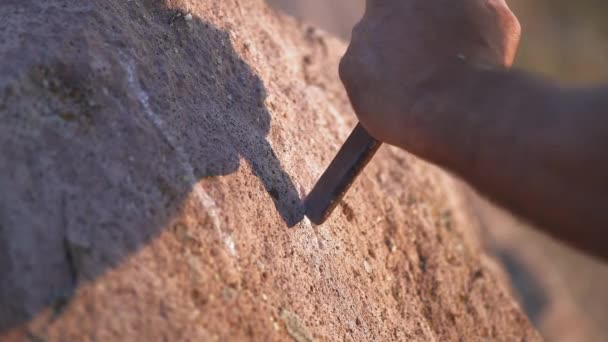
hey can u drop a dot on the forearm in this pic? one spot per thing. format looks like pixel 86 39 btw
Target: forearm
pixel 532 147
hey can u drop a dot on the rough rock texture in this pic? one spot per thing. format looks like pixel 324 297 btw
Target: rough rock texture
pixel 562 290
pixel 152 159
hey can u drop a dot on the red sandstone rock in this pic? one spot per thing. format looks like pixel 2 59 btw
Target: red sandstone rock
pixel 153 156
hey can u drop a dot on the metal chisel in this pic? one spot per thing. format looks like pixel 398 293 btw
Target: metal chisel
pixel 352 158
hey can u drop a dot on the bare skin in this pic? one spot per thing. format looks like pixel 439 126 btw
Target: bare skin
pixel 432 77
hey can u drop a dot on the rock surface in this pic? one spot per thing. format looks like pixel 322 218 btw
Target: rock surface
pixel 562 290
pixel 153 157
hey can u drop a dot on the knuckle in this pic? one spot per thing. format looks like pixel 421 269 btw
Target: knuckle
pixel 357 75
pixel 508 19
pixel 359 29
pixel 344 67
pixel 509 28
pixel 354 82
pixel 512 31
pixel 515 27
pixel 347 68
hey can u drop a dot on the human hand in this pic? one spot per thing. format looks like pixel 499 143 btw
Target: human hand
pixel 407 59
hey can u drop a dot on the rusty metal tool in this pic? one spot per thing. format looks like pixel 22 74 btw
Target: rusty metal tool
pixel 352 158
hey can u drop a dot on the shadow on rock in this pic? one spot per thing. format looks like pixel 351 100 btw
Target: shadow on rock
pixel 119 112
pixel 530 292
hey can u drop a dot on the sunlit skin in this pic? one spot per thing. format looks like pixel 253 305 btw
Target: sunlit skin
pixel 432 77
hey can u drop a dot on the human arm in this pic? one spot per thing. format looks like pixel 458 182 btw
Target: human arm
pixel 531 146
pixel 431 77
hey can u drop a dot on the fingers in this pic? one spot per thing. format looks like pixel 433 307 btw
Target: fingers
pixel 352 72
pixel 508 28
pixel 372 5
pixel 512 30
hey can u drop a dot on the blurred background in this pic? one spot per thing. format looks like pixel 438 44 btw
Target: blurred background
pixel 564 292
